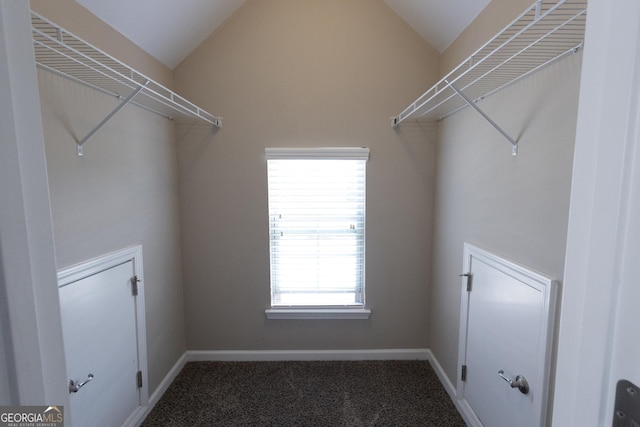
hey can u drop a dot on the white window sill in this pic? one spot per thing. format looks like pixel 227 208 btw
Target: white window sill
pixel 318 313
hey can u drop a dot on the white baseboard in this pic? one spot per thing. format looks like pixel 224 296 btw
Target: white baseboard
pixel 304 355
pixel 168 379
pixel 161 389
pixel 451 390
pixel 444 379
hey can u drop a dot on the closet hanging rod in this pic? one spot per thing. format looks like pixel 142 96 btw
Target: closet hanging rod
pixel 61 52
pixel 541 35
pixel 43 62
pixel 504 62
pixel 568 52
pixel 98 88
pixel 558 40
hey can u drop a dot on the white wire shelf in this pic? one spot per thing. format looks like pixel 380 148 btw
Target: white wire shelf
pixel 544 33
pixel 62 53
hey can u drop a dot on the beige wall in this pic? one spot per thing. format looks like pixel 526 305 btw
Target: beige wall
pixel 286 73
pixel 517 206
pixel 123 192
pixel 322 73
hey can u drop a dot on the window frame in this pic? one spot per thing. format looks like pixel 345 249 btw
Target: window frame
pixel 348 311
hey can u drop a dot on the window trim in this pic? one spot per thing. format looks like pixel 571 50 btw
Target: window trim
pixel 314 313
pixel 318 312
pixel 349 153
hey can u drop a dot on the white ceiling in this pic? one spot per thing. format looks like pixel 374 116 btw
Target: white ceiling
pixel 439 22
pixel 169 30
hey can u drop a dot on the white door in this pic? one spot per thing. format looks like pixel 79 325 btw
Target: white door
pixel 100 329
pixel 506 325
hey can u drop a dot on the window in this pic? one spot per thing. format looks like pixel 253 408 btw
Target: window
pixel 317 226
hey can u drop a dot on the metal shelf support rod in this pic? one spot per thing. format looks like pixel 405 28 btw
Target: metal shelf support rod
pixel 514 143
pixel 110 115
pixel 571 51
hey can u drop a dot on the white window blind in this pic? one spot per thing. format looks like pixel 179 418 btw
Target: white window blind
pixel 317 226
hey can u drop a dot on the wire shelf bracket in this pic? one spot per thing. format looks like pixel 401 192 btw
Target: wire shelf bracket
pixel 514 143
pixel 60 52
pixel 547 31
pixel 109 116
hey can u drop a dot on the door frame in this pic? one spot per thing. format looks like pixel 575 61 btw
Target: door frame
pixel 96 265
pixel 605 140
pixel 32 366
pixel 547 286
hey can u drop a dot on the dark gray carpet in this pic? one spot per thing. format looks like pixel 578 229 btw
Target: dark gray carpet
pixel 333 393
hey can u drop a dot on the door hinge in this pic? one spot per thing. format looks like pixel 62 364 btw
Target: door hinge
pixel 139 379
pixel 134 285
pixel 468 276
pixel 463 376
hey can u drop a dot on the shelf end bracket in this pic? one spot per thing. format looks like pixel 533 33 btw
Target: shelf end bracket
pixel 110 115
pixel 514 143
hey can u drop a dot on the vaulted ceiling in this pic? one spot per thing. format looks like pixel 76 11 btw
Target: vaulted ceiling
pixel 169 30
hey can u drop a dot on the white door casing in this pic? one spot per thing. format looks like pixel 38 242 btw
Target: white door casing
pixel 32 344
pixel 104 338
pixel 625 340
pixel 506 326
pixel 597 341
pixel 625 343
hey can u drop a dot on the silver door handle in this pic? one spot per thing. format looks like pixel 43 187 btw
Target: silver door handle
pixel 520 382
pixel 75 386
